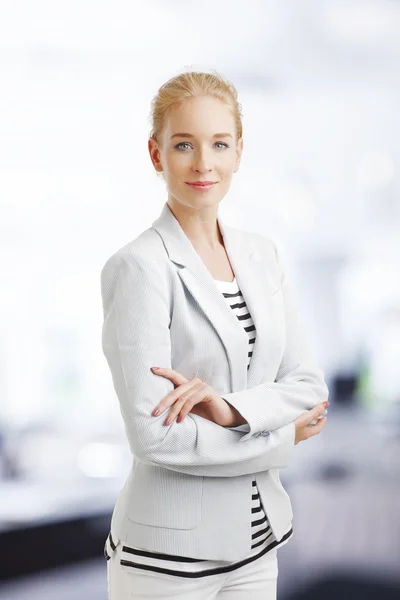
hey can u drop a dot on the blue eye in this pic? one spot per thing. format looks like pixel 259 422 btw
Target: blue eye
pixel 178 146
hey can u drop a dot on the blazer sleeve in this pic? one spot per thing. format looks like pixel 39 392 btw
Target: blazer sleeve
pixel 299 384
pixel 135 337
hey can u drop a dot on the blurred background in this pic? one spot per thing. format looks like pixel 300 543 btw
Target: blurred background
pixel 320 174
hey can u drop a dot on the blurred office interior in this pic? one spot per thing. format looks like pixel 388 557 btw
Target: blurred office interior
pixel 320 89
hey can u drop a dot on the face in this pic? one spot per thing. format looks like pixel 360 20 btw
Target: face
pixel 200 154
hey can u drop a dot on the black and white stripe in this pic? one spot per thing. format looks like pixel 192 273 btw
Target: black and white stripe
pixel 262 534
pixel 233 296
pixel 181 566
pixel 263 539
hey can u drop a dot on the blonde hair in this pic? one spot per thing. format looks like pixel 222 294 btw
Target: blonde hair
pixel 189 85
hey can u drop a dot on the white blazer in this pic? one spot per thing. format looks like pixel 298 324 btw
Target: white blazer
pixel 189 489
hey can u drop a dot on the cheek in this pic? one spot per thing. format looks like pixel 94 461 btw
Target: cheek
pixel 177 165
pixel 226 175
pixel 227 167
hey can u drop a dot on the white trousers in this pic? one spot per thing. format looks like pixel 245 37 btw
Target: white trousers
pixel 256 580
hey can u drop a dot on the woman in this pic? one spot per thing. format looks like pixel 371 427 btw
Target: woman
pixel 203 510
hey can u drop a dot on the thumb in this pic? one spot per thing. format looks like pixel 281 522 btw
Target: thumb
pixel 317 411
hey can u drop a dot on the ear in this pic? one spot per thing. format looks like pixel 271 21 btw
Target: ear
pixel 154 151
pixel 239 150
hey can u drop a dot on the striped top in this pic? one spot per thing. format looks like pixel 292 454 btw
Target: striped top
pixel 263 538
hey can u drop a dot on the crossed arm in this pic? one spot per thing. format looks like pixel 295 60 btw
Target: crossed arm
pixel 135 336
pixel 299 384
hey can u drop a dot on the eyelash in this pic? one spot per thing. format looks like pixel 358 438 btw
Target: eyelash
pixel 187 143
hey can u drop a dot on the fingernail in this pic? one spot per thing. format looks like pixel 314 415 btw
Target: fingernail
pixel 326 403
pixel 156 412
pixel 156 367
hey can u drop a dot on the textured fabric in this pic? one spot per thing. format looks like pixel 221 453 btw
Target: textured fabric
pixel 255 581
pixel 162 308
pixel 139 559
pixel 263 539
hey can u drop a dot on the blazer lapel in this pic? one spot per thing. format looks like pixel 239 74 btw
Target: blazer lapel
pixel 251 271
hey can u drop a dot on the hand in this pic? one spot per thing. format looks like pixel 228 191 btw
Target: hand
pixel 193 396
pixel 304 429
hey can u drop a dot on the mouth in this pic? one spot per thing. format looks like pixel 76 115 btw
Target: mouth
pixel 202 186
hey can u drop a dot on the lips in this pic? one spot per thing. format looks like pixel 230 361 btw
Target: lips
pixel 202 186
pixel 200 182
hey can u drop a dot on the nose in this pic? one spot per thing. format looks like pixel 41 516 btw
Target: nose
pixel 202 161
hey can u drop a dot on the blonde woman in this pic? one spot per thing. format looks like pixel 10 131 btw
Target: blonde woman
pixel 203 511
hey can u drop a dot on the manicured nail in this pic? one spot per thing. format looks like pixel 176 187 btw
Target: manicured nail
pixel 155 368
pixel 156 412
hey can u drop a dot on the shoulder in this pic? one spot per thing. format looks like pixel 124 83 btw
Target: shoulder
pixel 146 249
pixel 140 261
pixel 264 249
pixel 263 244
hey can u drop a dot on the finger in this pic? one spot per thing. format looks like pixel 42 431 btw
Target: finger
pixel 174 412
pixel 315 429
pixel 173 397
pixel 171 374
pixel 186 398
pixel 317 411
pixel 191 398
pixel 195 398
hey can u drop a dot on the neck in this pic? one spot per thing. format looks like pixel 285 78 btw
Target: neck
pixel 199 224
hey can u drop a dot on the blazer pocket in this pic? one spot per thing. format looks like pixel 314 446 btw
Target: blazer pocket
pixel 164 498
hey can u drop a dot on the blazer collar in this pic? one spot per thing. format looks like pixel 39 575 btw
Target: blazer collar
pixel 252 276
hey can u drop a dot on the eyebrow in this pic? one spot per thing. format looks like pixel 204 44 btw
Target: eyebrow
pixel 189 135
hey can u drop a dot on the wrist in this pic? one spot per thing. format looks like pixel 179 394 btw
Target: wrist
pixel 235 417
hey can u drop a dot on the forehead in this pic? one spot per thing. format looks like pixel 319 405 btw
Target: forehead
pixel 200 114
